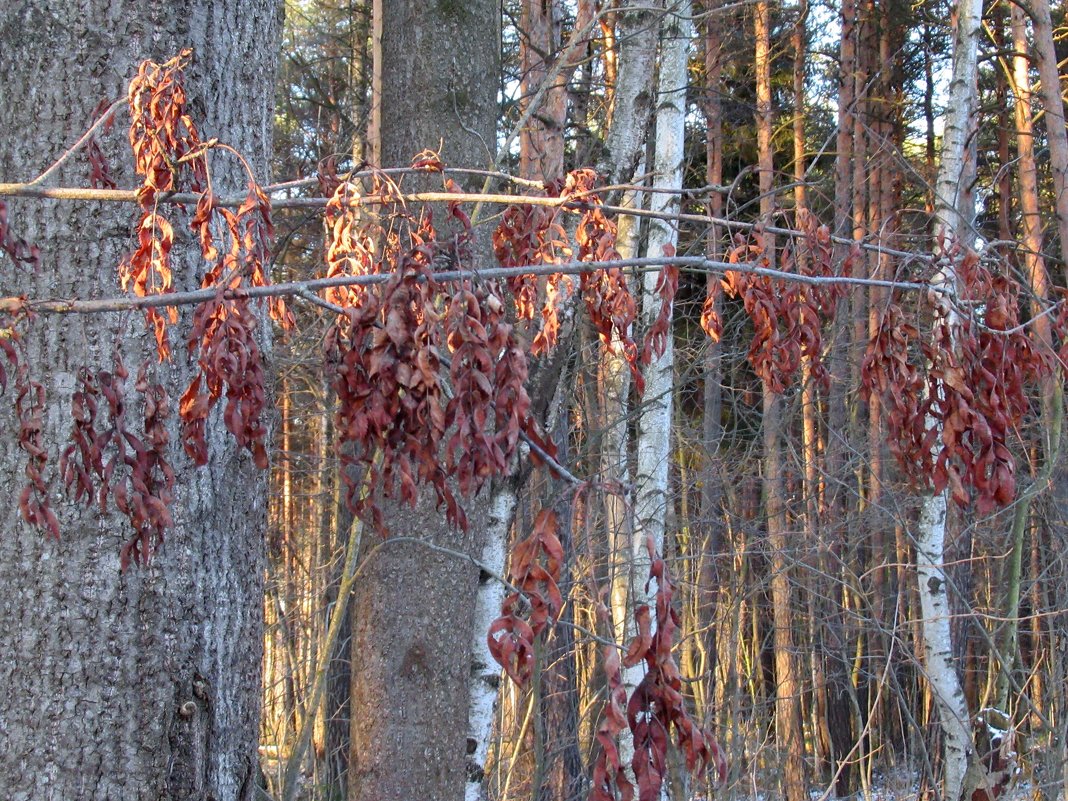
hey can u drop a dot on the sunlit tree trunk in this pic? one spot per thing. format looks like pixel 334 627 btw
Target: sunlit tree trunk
pixel 541 143
pixel 141 684
pixel 636 34
pixel 787 703
pixel 1054 779
pixel 637 23
pixel 1038 279
pixel 1050 95
pixel 955 215
pixel 710 571
pixel 653 444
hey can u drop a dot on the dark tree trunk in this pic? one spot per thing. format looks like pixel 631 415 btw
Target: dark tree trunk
pixel 96 663
pixel 436 68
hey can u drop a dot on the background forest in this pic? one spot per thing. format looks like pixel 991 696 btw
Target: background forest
pixel 809 610
pixel 660 399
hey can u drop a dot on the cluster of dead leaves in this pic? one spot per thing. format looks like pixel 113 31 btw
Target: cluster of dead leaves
pixel 656 710
pixel 108 459
pixel 954 398
pixel 787 316
pixel 534 572
pixel 430 379
pixel 169 156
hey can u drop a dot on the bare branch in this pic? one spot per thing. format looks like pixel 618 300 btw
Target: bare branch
pixel 697 264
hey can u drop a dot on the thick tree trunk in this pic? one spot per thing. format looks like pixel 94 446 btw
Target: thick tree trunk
pixel 141 684
pixel 434 85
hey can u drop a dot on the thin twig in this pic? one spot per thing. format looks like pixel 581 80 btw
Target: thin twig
pixel 554 465
pixel 44 176
pixel 314 299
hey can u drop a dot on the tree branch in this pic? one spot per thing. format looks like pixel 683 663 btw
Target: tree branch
pixel 697 264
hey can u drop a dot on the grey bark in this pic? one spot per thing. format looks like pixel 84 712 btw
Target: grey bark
pixel 96 663
pixel 638 31
pixel 435 86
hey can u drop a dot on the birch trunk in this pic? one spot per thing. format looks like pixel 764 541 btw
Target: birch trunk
pixel 954 221
pixel 98 665
pixel 632 95
pixel 632 105
pixel 485 672
pixel 625 139
pixel 654 425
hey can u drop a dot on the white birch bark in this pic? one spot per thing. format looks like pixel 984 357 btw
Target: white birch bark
pixel 633 107
pixel 955 213
pixel 632 100
pixel 654 428
pixel 615 406
pixel 485 672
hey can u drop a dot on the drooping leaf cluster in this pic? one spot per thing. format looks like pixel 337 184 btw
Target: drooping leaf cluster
pixel 955 397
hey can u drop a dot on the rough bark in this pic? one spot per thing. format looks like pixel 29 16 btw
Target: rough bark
pixel 97 663
pixel 541 142
pixel 434 86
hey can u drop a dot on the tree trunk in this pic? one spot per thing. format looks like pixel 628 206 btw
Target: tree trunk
pixel 541 143
pixel 1052 101
pixel 654 425
pixel 632 104
pixel 564 773
pixel 1038 281
pixel 143 684
pixel 787 695
pixel 711 529
pixel 414 607
pixel 955 212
